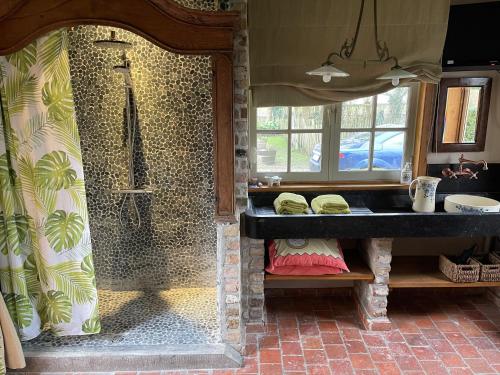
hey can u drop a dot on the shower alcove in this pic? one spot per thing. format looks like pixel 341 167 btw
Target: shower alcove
pixel 158 288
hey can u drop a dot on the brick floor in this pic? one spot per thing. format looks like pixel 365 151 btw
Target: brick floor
pixel 432 335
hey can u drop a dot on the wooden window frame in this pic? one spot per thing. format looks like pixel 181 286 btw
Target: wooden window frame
pixel 426 109
pixel 482 117
pixel 164 23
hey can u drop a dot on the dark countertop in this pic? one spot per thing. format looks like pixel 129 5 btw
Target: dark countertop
pixel 375 214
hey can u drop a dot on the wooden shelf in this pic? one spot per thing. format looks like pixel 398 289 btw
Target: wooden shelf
pixel 423 272
pixel 359 271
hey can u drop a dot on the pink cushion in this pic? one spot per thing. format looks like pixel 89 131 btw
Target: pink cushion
pixel 304 264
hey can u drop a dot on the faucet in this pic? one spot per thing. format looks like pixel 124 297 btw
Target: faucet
pixel 448 172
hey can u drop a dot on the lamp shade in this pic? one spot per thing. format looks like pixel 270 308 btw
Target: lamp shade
pixel 328 71
pixel 395 74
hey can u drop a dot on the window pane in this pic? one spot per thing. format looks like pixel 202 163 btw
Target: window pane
pixel 307 117
pixel 272 118
pixel 354 151
pixel 357 113
pixel 272 151
pixel 306 152
pixel 469 133
pixel 392 108
pixel 388 150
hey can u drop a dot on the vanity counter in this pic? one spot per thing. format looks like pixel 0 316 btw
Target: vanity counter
pixel 375 214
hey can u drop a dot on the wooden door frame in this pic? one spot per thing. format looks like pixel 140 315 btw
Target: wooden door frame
pixel 162 22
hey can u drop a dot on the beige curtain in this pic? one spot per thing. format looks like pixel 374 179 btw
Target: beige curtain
pixel 290 37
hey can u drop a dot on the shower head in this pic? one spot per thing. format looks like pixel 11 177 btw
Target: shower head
pixel 113 43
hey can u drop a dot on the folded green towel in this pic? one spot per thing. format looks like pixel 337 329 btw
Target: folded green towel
pixel 290 204
pixel 330 204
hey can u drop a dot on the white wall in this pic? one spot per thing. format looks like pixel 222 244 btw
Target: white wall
pixel 492 148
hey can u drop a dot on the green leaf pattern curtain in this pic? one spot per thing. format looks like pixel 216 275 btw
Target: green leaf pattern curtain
pixel 46 269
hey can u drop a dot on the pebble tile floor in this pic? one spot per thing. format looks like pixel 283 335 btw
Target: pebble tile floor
pixel 432 335
pixel 150 317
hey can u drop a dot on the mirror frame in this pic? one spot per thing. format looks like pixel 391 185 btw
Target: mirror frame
pixel 164 23
pixel 482 117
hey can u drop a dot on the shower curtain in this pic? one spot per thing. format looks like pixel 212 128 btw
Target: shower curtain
pixel 46 269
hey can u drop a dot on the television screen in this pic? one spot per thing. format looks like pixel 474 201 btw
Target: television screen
pixel 473 38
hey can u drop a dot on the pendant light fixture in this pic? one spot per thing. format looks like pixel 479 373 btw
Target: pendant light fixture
pixel 327 70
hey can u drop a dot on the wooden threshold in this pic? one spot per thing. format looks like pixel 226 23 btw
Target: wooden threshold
pixel 423 272
pixel 359 271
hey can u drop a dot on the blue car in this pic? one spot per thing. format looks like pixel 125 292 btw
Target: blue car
pixel 353 155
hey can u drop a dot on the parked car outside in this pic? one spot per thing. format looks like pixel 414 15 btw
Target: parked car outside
pixel 387 153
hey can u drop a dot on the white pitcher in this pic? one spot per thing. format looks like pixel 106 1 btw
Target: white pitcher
pixel 425 194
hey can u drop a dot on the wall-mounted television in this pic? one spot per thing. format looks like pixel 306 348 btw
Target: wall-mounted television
pixel 473 38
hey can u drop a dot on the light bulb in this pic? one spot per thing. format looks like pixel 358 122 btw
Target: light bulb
pixel 327 78
pixel 395 81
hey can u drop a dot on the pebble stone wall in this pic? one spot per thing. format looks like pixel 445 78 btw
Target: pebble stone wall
pixel 175 246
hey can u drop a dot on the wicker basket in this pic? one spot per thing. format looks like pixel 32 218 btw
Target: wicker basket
pixel 459 273
pixel 490 269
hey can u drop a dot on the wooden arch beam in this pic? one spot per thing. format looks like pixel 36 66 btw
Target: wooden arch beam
pixel 164 23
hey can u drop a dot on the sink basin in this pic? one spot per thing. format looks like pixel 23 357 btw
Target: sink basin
pixel 470 204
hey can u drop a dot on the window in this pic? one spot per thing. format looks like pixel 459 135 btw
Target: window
pixel 362 139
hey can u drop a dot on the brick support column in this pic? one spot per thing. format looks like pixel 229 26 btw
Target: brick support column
pixel 372 297
pixel 253 278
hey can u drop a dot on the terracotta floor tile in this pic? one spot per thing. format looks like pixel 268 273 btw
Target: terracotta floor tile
pixel 289 334
pixel 269 356
pixel 350 334
pixel 269 342
pixel 408 363
pixel 318 370
pixel 355 346
pixel 415 339
pixel 460 371
pixel 394 336
pixel 291 348
pixel 361 361
pixel 482 343
pixel 432 334
pixel 270 369
pixel 312 343
pixel 452 360
pixel 398 348
pixel 434 367
pixel 374 340
pixel 485 325
pixel 341 367
pixel 293 363
pixel 423 353
pixel 309 329
pixel 388 368
pixel 467 351
pixel 381 354
pixel 448 326
pixel 424 322
pixel 493 356
pixel 456 338
pixel 326 326
pixel 479 365
pixel 441 346
pixel 315 357
pixel 331 338
pixel 336 351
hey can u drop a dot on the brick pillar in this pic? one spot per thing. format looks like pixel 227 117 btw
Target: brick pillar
pixel 372 297
pixel 253 279
pixel 229 284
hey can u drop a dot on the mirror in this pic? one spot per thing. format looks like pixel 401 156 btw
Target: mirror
pixel 462 114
